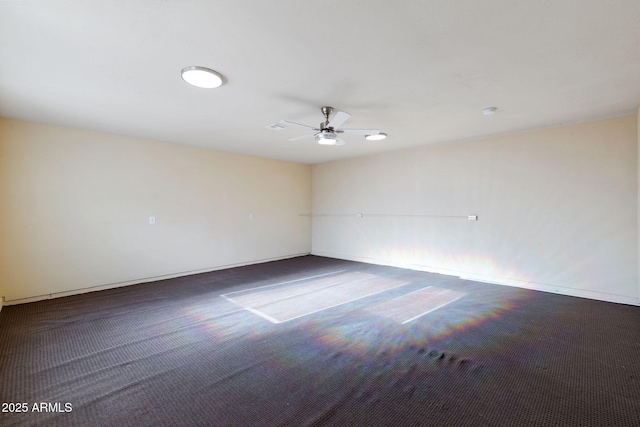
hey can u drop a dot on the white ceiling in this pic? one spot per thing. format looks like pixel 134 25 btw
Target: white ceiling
pixel 420 70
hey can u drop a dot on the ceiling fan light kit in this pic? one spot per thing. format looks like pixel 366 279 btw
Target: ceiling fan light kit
pixel 327 133
pixel 325 138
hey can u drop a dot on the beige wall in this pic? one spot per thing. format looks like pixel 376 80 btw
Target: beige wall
pixel 75 208
pixel 557 209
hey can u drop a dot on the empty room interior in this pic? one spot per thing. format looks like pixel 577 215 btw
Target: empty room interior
pixel 415 213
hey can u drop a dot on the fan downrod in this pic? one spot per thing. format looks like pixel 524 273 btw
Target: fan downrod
pixel 327 112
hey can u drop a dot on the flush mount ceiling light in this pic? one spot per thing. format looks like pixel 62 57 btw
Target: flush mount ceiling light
pixel 201 77
pixel 489 111
pixel 376 137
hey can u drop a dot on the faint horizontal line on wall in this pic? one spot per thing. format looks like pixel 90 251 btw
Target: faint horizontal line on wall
pixel 415 216
pixel 347 215
pixel 380 215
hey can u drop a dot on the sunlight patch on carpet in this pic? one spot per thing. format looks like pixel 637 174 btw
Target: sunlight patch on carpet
pixel 287 301
pixel 411 306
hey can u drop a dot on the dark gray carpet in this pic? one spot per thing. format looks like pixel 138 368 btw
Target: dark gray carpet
pixel 175 353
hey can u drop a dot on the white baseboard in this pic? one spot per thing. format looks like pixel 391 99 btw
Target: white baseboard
pixel 562 290
pixel 141 280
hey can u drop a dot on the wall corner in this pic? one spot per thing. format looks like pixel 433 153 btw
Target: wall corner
pixel 638 196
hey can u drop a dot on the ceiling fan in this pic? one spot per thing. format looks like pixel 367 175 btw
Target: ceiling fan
pixel 328 132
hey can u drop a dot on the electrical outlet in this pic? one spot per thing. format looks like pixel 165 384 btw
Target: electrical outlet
pixel 152 220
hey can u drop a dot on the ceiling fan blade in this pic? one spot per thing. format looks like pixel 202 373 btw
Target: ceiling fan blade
pixel 302 137
pixel 359 131
pixel 286 122
pixel 339 118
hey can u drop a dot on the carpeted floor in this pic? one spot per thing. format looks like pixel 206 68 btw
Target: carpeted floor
pixel 287 344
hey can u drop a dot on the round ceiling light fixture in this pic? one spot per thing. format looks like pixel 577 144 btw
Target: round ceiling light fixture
pixel 489 111
pixel 201 77
pixel 328 138
pixel 377 137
